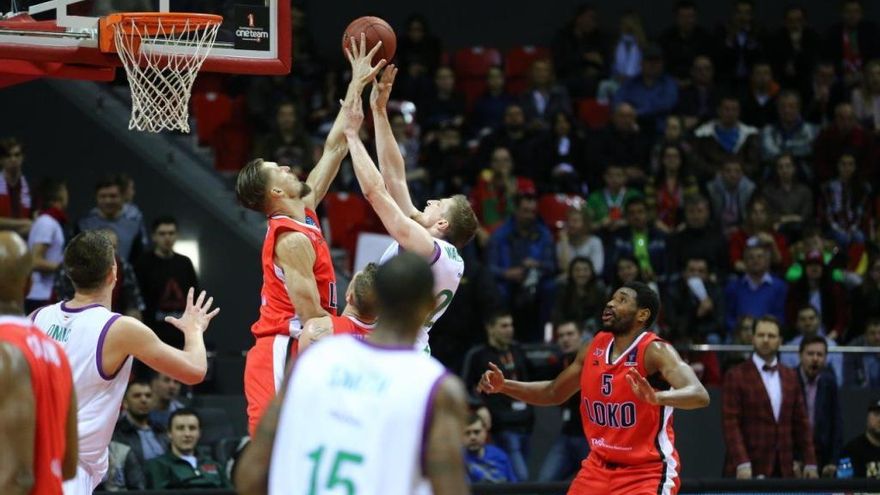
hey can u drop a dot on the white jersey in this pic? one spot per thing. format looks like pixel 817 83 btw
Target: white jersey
pixel 355 417
pixel 448 268
pixel 81 333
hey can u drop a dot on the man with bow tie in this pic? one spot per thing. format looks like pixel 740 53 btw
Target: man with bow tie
pixel 766 428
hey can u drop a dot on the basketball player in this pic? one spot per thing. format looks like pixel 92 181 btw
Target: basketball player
pixel 627 422
pixel 373 417
pixel 298 278
pixel 435 233
pixel 100 344
pixel 358 318
pixel 37 400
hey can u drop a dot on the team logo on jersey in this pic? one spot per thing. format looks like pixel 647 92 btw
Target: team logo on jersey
pixel 311 222
pixel 631 358
pixel 599 352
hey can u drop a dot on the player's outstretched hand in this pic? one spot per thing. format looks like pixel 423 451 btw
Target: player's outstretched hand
pixel 197 316
pixel 492 381
pixel 641 387
pixel 361 60
pixel 382 88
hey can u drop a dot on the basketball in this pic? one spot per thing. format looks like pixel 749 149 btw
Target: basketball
pixel 376 30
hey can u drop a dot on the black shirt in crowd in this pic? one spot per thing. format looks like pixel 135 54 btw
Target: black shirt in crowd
pixel 164 283
pixel 865 457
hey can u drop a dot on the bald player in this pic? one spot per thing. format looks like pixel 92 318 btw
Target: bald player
pixel 38 446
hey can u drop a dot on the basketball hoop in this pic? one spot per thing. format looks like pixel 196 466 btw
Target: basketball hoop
pixel 161 80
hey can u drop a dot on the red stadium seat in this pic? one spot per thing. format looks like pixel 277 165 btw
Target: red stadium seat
pixel 232 147
pixel 517 62
pixel 554 207
pixel 348 215
pixel 592 113
pixel 211 109
pixel 471 66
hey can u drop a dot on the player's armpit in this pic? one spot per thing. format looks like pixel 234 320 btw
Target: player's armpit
pixel 687 392
pixel 443 463
pixel 71 449
pixel 296 257
pixel 17 425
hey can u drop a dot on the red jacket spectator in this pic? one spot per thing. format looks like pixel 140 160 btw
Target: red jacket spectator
pixel 844 134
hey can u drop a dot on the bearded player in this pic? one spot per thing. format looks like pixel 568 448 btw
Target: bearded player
pixel 298 278
pixel 626 420
pixel 435 233
pixel 358 318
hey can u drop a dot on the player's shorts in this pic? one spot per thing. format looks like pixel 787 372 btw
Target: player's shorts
pixel 597 476
pixel 263 375
pixel 83 483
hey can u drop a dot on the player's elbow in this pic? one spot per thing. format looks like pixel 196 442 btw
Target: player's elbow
pixel 195 375
pixel 703 399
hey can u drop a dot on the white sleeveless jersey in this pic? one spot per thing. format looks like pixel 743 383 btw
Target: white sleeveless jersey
pixel 354 419
pixel 81 333
pixel 448 268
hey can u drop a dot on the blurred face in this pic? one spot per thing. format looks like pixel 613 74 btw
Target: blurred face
pixel 696 268
pixel 785 168
pixel 731 173
pixel 12 163
pixel 762 76
pixel 627 271
pixel 165 236
pixel 586 22
pixel 514 117
pixel 138 400
pixel 789 109
pixel 671 160
pixel 286 117
pixel 846 167
pixel 652 67
pixel 624 118
pixel 742 15
pixel 501 332
pixel 813 359
pixel 615 178
pixel 766 340
pixel 475 436
pixel 758 214
pixel 527 211
pixel 574 222
pixel 568 337
pixel 824 75
pixel 813 271
pixel 757 261
pixel 562 126
pixel 728 112
pixel 673 129
pixel 702 71
pixel 444 79
pixel 637 216
pixel 795 20
pixel 109 200
pixel 745 331
pixel 502 162
pixel 541 73
pixel 495 80
pixel 852 14
pixel 63 197
pixel 398 125
pixel 581 273
pixel 184 433
pixel 621 312
pixel 872 335
pixel 808 322
pixel 283 181
pixel 165 387
pixel 844 117
pixel 686 19
pixel 416 31
pixel 696 215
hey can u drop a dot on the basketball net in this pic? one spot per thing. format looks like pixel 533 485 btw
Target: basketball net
pixel 161 80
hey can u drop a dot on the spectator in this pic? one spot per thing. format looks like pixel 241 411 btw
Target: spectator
pixel 582 296
pixel 642 241
pixel 853 42
pixel 726 138
pixel 570 448
pixel 790 134
pixel 794 48
pixel 666 191
pixel 864 450
pixel 698 101
pixel 521 256
pixel 684 42
pixel 164 277
pixel 762 441
pixel 845 134
pixel 544 98
pixel 863 370
pixel 580 51
pixel 606 205
pixel 576 240
pixel 673 135
pixel 758 228
pixel 652 92
pixel 809 326
pixel 109 215
pixel 563 151
pixel 444 105
pixel 756 292
pixel 698 239
pixel 787 197
pixel 845 203
pixel 866 98
pixel 516 137
pixel 485 463
pixel 740 43
pixel 146 438
pixel 124 471
pixel 182 467
pixel 130 210
pixel 730 193
pixel 828 297
pixel 288 144
pixel 449 162
pixel 493 197
pixel 822 92
pixel 15 193
pixel 695 306
pixel 511 420
pixel 621 143
pixel 821 400
pixel 759 101
pixel 418 51
pixel 626 55
pixel 743 334
pixel 626 270
pixel 489 109
pixel 812 240
pixel 46 242
pixel 866 298
pixel 166 391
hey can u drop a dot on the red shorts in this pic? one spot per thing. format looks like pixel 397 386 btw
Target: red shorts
pixel 596 476
pixel 264 370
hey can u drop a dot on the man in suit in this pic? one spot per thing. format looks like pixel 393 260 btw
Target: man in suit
pixel 819 386
pixel 764 418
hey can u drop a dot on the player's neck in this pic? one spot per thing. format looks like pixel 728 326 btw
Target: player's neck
pixel 624 340
pixel 103 297
pixel 14 308
pixel 293 208
pixel 352 312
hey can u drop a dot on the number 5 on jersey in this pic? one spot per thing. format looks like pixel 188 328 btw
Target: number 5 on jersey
pixel 336 478
pixel 606 384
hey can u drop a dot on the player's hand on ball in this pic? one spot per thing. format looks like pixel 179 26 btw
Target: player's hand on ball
pixel 641 387
pixel 197 316
pixel 492 381
pixel 360 59
pixel 382 88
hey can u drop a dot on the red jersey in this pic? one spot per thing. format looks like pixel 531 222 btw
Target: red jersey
pixel 52 385
pixel 277 313
pixel 345 324
pixel 620 428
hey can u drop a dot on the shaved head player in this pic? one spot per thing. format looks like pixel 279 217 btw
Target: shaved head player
pixel 627 422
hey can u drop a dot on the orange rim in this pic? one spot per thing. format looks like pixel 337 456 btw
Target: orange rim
pixel 148 23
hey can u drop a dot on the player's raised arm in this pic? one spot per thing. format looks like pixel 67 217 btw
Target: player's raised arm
pixel 335 147
pixel 409 234
pixel 687 392
pixel 544 393
pixel 444 464
pixel 296 256
pixel 391 162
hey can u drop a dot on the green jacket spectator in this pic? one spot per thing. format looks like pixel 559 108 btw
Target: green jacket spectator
pixel 182 467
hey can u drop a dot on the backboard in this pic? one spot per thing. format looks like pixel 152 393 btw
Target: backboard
pixel 59 38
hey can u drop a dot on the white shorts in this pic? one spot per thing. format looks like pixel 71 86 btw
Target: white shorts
pixel 83 484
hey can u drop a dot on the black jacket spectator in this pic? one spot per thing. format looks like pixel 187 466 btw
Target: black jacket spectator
pixel 794 49
pixel 827 420
pixel 685 41
pixel 127 433
pixel 579 53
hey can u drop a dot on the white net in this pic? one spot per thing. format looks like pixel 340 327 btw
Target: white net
pixel 161 62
